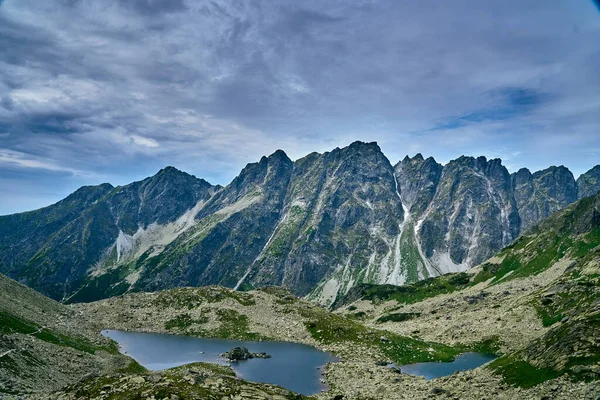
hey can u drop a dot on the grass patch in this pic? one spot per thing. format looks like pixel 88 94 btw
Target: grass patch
pixel 232 325
pixel 490 345
pixel 548 317
pixel 11 324
pixel 521 373
pixel 184 321
pixel 110 284
pixel 408 294
pixel 133 368
pixel 397 317
pixel 329 328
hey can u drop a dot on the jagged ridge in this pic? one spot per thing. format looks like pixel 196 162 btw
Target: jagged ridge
pixel 319 225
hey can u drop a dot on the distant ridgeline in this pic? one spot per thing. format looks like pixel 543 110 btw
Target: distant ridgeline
pixel 319 226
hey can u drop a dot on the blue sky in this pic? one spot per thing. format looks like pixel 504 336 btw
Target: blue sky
pixel 113 90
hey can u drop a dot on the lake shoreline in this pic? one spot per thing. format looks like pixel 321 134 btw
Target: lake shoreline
pixel 293 366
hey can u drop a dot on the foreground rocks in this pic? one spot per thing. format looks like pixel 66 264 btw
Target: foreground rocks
pixel 193 381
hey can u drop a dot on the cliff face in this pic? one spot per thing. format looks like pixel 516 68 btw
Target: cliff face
pixel 542 193
pixel 588 184
pixel 319 225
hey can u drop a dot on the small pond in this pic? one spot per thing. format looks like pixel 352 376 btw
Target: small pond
pixel 432 370
pixel 293 366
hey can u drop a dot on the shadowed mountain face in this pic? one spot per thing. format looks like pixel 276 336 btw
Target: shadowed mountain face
pixel 319 225
pixel 588 184
pixel 52 249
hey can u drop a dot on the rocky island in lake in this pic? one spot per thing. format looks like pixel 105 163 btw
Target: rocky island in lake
pixel 242 353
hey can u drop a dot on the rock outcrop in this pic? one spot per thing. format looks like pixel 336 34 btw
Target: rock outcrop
pixel 588 184
pixel 242 354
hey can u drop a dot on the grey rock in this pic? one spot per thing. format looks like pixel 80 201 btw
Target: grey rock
pixel 542 193
pixel 588 184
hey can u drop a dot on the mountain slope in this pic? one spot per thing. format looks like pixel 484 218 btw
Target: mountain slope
pixel 319 225
pixel 542 193
pixel 232 229
pixel 539 298
pixel 53 249
pixel 588 184
pixel 45 345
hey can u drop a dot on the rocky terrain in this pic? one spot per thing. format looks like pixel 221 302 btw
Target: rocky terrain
pixel 192 381
pixel 319 225
pixel 45 345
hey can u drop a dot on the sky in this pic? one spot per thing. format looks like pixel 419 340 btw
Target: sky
pixel 96 91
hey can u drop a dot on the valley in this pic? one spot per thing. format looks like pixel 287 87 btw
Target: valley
pixel 534 305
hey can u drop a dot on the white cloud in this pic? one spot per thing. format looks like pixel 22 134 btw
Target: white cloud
pixel 144 142
pixel 11 158
pixel 96 85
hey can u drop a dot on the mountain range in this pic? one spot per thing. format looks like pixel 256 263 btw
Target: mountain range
pixel 319 225
pixel 536 307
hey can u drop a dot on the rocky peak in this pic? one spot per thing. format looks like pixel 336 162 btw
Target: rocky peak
pixel 161 198
pixel 521 176
pixel 268 171
pixel 365 146
pixel 84 196
pixel 542 193
pixel 588 184
pixel 472 210
pixel 418 180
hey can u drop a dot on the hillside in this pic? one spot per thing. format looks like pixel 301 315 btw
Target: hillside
pixel 45 345
pixel 539 299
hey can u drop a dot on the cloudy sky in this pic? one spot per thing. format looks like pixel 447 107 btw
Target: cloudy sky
pixel 98 91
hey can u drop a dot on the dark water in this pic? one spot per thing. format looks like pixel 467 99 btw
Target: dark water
pixel 432 370
pixel 293 366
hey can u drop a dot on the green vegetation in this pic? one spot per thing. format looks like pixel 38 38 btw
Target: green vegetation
pixel 572 233
pixel 10 324
pixel 359 315
pixel 184 321
pixel 548 317
pixel 329 328
pixel 232 325
pixel 132 368
pixel 184 244
pixel 491 345
pixel 287 232
pixel 397 317
pixel 410 256
pixel 190 299
pixel 109 284
pixel 573 347
pixel 408 294
pixel 521 373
